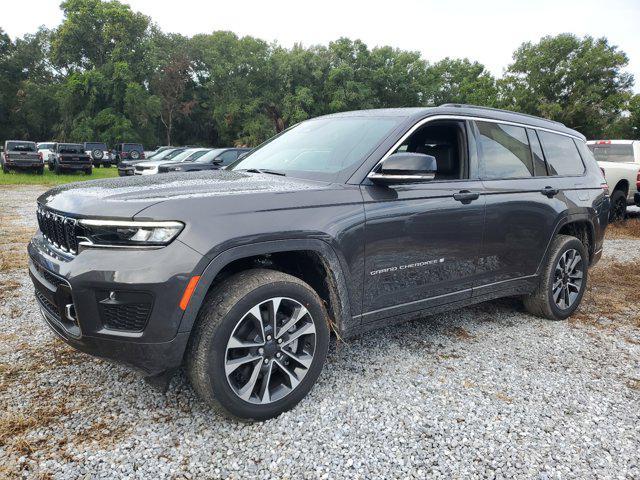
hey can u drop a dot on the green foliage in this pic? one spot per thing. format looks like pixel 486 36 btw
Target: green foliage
pixel 579 82
pixel 107 73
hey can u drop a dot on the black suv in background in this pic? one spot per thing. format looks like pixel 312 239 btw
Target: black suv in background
pixel 21 155
pixel 69 157
pixel 128 151
pixel 99 153
pixel 213 160
pixel 346 222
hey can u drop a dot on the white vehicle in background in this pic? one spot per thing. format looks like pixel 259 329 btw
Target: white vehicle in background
pixel 619 161
pixel 150 167
pixel 46 148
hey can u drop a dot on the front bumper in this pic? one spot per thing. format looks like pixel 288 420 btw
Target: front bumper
pixel 73 291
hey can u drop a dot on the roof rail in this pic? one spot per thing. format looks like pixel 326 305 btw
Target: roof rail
pixel 464 105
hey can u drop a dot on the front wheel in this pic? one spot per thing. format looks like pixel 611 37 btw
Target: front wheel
pixel 57 169
pixel 562 282
pixel 259 344
pixel 618 208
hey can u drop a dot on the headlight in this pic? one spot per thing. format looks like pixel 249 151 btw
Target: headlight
pixel 112 233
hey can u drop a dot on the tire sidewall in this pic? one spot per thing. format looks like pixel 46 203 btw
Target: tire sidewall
pixel 616 197
pixel 575 244
pixel 219 386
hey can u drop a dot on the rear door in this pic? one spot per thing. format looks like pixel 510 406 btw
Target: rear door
pixel 522 205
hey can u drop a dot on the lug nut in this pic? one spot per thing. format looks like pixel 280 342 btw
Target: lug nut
pixel 261 351
pixel 279 340
pixel 278 355
pixel 266 360
pixel 268 337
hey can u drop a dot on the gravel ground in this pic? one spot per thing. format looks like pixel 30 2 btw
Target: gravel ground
pixel 487 391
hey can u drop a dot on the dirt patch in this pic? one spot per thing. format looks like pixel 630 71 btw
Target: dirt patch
pixel 612 294
pixel 624 230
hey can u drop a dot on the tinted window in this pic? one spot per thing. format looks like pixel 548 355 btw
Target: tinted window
pixel 127 147
pixel 505 151
pixel 46 146
pixel 539 167
pixel 95 146
pixel 561 154
pixel 70 148
pixel 613 153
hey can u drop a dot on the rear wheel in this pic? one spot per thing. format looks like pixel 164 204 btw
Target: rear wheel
pixel 57 169
pixel 40 171
pixel 618 208
pixel 88 171
pixel 259 344
pixel 562 282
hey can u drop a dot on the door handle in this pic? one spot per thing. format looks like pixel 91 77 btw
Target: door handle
pixel 549 191
pixel 465 196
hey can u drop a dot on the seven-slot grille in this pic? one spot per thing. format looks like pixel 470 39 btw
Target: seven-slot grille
pixel 58 229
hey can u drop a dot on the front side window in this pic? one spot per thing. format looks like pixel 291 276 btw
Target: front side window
pixel 229 157
pixel 504 151
pixel 320 148
pixel 561 154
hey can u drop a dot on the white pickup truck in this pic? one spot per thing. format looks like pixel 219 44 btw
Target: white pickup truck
pixel 619 161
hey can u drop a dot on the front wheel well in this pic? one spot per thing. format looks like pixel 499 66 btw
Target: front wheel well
pixel 307 265
pixel 583 231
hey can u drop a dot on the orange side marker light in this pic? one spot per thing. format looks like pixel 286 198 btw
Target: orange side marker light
pixel 186 296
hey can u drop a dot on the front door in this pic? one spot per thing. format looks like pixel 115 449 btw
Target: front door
pixel 422 240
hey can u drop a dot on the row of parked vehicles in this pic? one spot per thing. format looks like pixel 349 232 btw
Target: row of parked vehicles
pixel 181 159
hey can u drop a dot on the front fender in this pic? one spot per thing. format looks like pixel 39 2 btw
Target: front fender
pixel 323 249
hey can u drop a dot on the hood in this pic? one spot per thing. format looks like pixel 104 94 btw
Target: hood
pixel 123 197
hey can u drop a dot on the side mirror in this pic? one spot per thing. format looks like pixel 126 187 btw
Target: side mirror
pixel 405 167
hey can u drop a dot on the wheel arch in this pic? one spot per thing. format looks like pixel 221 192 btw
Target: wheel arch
pixel 578 225
pixel 622 185
pixel 312 260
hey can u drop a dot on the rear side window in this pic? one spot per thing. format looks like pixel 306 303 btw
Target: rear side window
pixel 539 167
pixel 504 150
pixel 561 154
pixel 622 153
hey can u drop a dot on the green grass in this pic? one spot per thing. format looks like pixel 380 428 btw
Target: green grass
pixel 50 178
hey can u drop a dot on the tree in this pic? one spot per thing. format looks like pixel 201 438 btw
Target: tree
pixel 169 86
pixel 579 82
pixel 462 81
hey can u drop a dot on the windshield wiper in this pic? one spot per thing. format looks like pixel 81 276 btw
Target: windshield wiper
pixel 265 170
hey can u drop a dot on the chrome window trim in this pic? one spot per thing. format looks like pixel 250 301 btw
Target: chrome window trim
pixel 463 118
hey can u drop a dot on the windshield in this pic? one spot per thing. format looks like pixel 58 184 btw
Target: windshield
pixel 320 148
pixel 70 148
pixel 613 153
pixel 45 146
pixel 95 146
pixel 21 147
pixel 209 156
pixel 170 155
pixel 185 154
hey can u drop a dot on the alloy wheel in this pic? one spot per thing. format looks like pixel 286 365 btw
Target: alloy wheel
pixel 270 350
pixel 568 277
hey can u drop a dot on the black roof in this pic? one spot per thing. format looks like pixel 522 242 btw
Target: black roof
pixel 418 113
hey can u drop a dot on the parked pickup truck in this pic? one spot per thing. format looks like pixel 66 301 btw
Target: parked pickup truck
pixel 70 156
pixel 22 155
pixel 619 161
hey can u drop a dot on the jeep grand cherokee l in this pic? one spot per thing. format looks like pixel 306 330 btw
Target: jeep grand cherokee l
pixel 345 222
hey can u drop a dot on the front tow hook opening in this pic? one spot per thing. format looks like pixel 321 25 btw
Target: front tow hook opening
pixel 70 313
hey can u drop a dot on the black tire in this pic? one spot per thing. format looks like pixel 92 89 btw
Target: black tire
pixel 221 312
pixel 40 171
pixel 541 302
pixel 134 155
pixel 106 165
pixel 5 169
pixel 57 169
pixel 88 171
pixel 50 165
pixel 618 208
pixel 97 164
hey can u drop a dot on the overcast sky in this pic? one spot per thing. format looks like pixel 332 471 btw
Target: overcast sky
pixel 484 30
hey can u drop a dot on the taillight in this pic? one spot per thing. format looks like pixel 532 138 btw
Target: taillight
pixel 40 156
pixel 141 154
pixel 638 180
pixel 603 142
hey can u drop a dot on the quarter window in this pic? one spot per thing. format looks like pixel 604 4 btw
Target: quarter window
pixel 539 166
pixel 561 154
pixel 505 151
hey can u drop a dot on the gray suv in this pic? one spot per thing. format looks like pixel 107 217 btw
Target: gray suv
pixel 342 223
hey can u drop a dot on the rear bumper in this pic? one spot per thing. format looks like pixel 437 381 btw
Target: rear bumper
pixel 636 199
pixel 75 166
pixel 72 292
pixel 23 164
